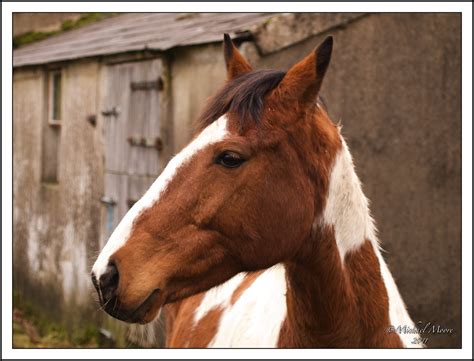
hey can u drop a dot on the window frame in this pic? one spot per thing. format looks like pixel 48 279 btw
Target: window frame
pixel 52 97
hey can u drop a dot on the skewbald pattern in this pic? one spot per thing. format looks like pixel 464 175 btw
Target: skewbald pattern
pixel 279 252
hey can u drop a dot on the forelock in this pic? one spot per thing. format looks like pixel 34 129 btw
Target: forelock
pixel 242 96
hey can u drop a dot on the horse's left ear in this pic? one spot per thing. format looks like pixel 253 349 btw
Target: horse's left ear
pixel 303 81
pixel 234 61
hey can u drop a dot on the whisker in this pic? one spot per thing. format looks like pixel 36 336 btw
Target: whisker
pixel 101 307
pixel 101 297
pixel 115 304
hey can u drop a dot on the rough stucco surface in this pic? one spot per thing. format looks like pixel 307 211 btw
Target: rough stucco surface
pixel 287 29
pixel 196 74
pixel 394 84
pixel 27 88
pixel 56 224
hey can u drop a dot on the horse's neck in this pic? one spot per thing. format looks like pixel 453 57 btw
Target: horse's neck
pixel 336 295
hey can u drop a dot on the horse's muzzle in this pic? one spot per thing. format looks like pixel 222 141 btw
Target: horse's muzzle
pixel 114 308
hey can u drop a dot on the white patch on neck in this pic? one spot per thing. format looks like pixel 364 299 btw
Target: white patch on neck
pixel 347 208
pixel 218 296
pixel 213 133
pixel 256 318
pixel 399 317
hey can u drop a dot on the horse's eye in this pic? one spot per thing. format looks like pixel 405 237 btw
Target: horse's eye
pixel 229 159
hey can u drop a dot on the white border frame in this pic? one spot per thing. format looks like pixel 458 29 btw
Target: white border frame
pixel 9 8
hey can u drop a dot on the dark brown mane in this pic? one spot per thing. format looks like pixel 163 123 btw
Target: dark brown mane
pixel 243 96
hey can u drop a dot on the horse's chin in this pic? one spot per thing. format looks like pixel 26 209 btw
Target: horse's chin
pixel 145 313
pixel 150 316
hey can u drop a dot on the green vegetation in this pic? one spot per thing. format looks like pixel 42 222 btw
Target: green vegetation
pixel 32 329
pixel 85 19
pixel 35 328
pixel 32 36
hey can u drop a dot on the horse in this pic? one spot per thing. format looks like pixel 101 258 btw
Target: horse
pixel 257 233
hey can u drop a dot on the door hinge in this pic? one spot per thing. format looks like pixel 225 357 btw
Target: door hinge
pixel 147 85
pixel 109 201
pixel 145 142
pixel 113 112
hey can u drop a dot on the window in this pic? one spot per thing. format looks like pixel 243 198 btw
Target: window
pixel 55 97
pixel 51 130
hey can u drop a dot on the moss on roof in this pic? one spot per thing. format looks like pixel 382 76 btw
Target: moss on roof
pixel 32 36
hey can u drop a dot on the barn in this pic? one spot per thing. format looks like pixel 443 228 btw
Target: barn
pixel 98 112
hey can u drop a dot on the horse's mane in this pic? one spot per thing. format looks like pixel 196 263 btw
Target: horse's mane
pixel 243 96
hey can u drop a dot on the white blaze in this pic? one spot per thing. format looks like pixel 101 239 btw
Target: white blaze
pixel 213 133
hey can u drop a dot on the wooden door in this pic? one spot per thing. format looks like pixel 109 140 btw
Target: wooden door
pixel 135 127
pixel 137 147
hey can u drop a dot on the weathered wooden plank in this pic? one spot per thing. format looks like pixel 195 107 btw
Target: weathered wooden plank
pixel 118 96
pixel 110 213
pixel 143 119
pixel 137 186
pixel 124 190
pixel 121 157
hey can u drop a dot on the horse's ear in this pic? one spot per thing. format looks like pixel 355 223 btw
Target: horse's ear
pixel 235 62
pixel 303 81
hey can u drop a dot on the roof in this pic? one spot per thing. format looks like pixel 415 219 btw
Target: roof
pixel 135 32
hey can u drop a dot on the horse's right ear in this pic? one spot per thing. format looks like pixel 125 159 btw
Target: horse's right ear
pixel 303 81
pixel 235 62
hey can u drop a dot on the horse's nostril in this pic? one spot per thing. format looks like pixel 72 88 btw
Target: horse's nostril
pixel 108 282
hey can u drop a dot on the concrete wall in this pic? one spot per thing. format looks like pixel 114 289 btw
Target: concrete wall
pixel 394 84
pixel 197 72
pixel 56 225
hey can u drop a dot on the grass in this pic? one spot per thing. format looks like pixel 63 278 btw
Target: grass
pixel 31 329
pixel 28 333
